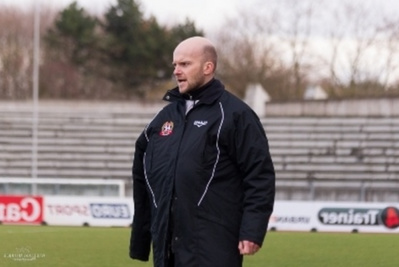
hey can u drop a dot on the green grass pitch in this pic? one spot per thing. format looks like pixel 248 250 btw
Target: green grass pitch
pixel 31 246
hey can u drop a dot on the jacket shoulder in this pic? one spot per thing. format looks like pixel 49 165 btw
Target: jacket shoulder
pixel 235 105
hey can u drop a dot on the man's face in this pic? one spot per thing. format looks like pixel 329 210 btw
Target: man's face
pixel 188 69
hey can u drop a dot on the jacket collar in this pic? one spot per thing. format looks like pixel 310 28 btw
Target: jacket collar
pixel 205 94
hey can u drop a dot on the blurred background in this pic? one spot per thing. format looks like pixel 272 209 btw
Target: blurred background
pixel 79 80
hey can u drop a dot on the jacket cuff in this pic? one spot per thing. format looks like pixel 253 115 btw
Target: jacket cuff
pixel 138 256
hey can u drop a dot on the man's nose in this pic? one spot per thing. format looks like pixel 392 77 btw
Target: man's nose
pixel 176 71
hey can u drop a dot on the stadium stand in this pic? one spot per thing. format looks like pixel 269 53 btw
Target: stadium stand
pixel 340 158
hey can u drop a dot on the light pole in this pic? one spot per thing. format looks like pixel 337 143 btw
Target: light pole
pixel 35 79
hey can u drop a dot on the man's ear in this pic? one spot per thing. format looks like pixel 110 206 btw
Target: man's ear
pixel 209 68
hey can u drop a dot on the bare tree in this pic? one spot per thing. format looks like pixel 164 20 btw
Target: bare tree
pixel 357 49
pixel 364 34
pixel 248 54
pixel 269 45
pixel 296 25
pixel 350 47
pixel 389 73
pixel 15 51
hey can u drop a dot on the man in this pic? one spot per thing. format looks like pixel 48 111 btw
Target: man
pixel 203 176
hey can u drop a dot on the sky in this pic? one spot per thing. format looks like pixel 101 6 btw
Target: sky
pixel 207 14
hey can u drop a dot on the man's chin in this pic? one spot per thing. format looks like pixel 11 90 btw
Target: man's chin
pixel 183 89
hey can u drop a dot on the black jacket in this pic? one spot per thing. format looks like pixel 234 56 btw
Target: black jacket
pixel 211 169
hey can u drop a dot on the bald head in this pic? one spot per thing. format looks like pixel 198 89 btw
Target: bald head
pixel 199 46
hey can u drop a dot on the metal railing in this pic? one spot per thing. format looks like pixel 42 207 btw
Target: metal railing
pixel 62 187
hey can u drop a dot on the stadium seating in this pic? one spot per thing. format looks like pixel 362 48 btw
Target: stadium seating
pixel 323 158
pixel 341 158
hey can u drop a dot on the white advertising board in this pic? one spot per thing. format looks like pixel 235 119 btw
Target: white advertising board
pixel 335 217
pixel 93 211
pixel 287 215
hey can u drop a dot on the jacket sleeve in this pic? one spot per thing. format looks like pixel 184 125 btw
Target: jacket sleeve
pixel 256 166
pixel 140 240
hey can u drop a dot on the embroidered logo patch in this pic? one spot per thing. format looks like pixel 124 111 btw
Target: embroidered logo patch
pixel 167 129
pixel 200 123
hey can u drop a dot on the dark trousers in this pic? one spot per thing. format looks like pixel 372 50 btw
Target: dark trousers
pixel 171 260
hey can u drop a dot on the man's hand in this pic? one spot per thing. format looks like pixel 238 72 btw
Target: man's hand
pixel 247 247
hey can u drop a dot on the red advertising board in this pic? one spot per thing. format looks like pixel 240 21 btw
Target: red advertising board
pixel 21 209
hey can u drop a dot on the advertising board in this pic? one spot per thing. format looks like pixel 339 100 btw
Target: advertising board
pixel 21 209
pixel 335 217
pixel 93 211
pixel 287 215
